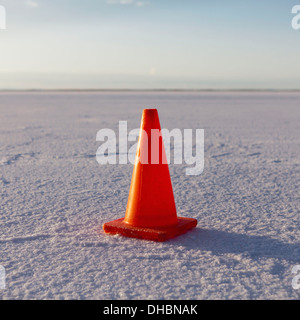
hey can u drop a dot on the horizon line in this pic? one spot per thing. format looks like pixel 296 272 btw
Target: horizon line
pixel 149 90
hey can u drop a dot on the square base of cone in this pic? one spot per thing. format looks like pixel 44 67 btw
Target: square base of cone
pixel 154 234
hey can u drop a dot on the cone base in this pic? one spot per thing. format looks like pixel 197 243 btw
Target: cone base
pixel 155 234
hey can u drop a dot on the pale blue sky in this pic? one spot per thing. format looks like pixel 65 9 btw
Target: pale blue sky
pixel 149 44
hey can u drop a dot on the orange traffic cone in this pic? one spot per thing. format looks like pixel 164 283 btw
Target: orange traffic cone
pixel 151 211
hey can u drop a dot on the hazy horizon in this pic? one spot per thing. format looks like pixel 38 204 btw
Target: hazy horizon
pixel 144 45
pixel 43 81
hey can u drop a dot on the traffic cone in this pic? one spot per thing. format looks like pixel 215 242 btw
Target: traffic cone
pixel 151 211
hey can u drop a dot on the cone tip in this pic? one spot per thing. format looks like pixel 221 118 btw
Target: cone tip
pixel 149 114
pixel 149 111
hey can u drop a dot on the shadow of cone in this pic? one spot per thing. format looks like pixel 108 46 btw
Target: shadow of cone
pixel 151 211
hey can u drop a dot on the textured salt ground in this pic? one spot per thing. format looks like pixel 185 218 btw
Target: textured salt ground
pixel 55 197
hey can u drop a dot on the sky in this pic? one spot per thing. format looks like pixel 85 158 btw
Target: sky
pixel 149 44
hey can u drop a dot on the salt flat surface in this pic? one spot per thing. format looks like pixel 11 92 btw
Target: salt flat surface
pixel 55 197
